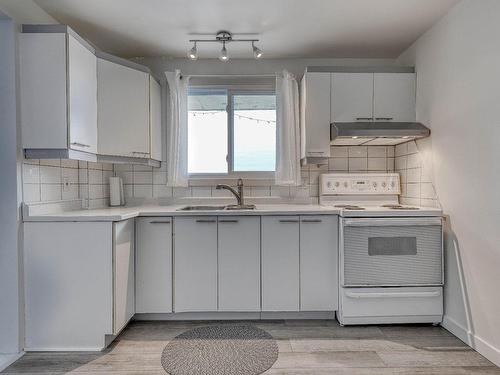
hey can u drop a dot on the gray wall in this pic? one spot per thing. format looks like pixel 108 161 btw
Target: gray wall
pixel 10 225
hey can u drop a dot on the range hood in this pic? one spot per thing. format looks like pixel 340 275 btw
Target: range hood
pixel 375 133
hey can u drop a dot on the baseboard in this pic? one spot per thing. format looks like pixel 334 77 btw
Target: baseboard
pixel 238 315
pixel 475 342
pixel 7 359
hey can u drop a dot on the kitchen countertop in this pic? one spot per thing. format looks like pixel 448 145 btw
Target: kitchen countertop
pixel 123 213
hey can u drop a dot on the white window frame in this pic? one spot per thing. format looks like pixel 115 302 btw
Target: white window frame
pixel 258 176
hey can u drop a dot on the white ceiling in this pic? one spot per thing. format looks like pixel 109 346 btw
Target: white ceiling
pixel 286 28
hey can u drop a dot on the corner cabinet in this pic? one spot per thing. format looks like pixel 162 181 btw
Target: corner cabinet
pixel 79 281
pixel 123 110
pixel 58 88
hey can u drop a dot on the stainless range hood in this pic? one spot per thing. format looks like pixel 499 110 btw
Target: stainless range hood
pixel 375 133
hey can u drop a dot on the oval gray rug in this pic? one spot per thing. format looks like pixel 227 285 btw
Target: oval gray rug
pixel 220 349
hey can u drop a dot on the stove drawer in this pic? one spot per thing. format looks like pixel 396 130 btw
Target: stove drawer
pixel 391 305
pixel 391 252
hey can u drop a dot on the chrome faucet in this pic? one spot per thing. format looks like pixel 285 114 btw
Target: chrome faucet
pixel 238 194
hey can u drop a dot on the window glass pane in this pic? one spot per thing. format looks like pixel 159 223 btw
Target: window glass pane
pixel 254 132
pixel 207 131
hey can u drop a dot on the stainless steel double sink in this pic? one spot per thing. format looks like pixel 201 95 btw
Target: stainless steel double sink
pixel 218 208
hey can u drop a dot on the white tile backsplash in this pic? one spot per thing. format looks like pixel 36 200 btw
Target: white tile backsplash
pixel 44 180
pixel 416 180
pixel 50 175
pixel 358 151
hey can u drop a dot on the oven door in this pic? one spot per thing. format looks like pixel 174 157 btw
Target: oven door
pixel 391 251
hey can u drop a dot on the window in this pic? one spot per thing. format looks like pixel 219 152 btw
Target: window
pixel 231 131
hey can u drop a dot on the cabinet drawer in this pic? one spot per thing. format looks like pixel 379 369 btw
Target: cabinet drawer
pixel 379 303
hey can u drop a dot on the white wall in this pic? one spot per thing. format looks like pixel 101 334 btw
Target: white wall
pixel 9 213
pixel 458 94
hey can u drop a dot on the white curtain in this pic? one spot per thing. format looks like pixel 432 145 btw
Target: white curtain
pixel 177 132
pixel 287 131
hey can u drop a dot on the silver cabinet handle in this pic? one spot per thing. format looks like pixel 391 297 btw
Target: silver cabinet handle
pixel 228 221
pixel 140 153
pixel 364 118
pixel 384 118
pixel 205 221
pixel 288 221
pixel 160 222
pixel 312 221
pixel 79 144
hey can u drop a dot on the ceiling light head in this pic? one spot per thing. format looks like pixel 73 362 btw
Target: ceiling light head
pixel 354 137
pixel 193 53
pixel 223 53
pixel 257 53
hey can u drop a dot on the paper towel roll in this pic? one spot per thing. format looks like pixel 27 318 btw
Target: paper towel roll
pixel 115 191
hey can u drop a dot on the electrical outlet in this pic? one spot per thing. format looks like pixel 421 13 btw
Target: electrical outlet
pixel 65 186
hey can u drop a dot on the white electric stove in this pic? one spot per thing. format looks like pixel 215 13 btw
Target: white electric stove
pixel 391 255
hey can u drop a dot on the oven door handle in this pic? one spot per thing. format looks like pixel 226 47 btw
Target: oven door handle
pixel 359 295
pixel 393 222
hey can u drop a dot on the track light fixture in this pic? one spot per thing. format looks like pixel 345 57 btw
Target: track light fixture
pixel 257 53
pixel 223 37
pixel 223 53
pixel 193 53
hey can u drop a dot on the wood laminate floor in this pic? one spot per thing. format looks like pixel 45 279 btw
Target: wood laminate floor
pixel 305 348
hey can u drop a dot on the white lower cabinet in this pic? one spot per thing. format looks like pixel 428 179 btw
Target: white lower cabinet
pixel 153 275
pixel 195 267
pixel 319 263
pixel 123 274
pixel 280 263
pixel 239 263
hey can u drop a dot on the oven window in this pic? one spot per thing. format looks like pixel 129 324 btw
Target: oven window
pixel 392 246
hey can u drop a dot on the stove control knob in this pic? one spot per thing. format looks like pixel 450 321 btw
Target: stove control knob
pixel 392 184
pixel 374 184
pixel 337 184
pixel 329 184
pixel 384 184
pixel 345 184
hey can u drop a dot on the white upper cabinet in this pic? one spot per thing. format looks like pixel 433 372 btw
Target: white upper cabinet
pixel 58 89
pixel 315 115
pixel 394 97
pixel 82 74
pixel 123 110
pixel 352 97
pixel 155 118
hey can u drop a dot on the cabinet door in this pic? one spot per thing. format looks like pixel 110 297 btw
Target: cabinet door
pixel 123 110
pixel 394 97
pixel 82 76
pixel 155 118
pixel 318 263
pixel 280 263
pixel 239 263
pixel 315 116
pixel 195 263
pixel 352 97
pixel 123 273
pixel 153 283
